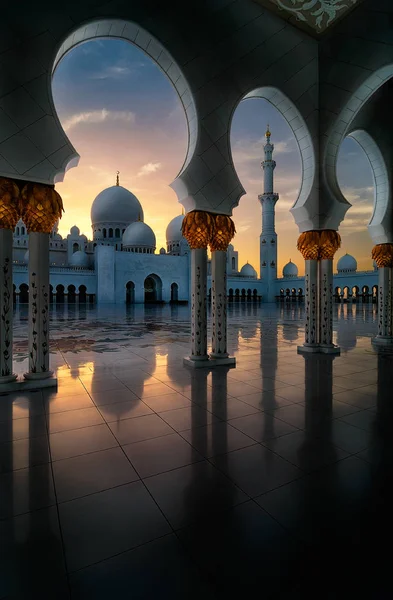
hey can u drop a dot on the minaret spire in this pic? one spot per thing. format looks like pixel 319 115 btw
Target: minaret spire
pixel 268 238
pixel 117 177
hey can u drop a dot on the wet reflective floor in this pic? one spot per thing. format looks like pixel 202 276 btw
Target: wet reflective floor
pixel 139 478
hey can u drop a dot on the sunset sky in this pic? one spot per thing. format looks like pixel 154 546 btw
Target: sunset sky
pixel 121 113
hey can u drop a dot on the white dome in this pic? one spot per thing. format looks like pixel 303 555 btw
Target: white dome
pixel 290 270
pixel 139 235
pixel 173 231
pixel 347 263
pixel 79 259
pixel 248 270
pixel 116 205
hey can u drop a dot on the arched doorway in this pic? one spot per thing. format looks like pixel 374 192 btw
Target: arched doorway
pixel 230 295
pixel 51 293
pixel 82 294
pixel 130 292
pixel 14 293
pixel 174 293
pixel 23 293
pixel 153 289
pixel 60 294
pixel 71 294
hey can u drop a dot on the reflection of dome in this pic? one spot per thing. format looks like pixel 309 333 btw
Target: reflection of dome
pixel 139 235
pixel 173 231
pixel 116 205
pixel 79 259
pixel 75 231
pixel 26 256
pixel 347 263
pixel 290 270
pixel 248 270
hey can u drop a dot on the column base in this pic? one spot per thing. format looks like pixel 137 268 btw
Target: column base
pixel 221 360
pixel 318 349
pixel 383 341
pixel 38 376
pixel 197 363
pixel 7 379
pixel 209 363
pixel 25 385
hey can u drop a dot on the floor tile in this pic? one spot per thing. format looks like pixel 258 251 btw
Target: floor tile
pixel 156 569
pixel 80 441
pixel 107 398
pixel 256 469
pixel 26 490
pixel 24 453
pixel 99 526
pixel 19 429
pixel 139 429
pixel 166 402
pixel 118 411
pixel 189 417
pixel 264 400
pixel 91 473
pixel 231 408
pixel 74 419
pixel 217 438
pixel 190 493
pixel 57 405
pixel 157 455
pixel 262 426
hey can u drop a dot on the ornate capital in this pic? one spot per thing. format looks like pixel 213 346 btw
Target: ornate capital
pixel 40 207
pixel 319 245
pixel 224 230
pixel 9 203
pixel 197 228
pixel 383 255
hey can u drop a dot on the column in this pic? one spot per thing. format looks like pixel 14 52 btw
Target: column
pixel 38 306
pixel 311 328
pixel 6 307
pixel 219 305
pixel 197 228
pixel 9 216
pixel 41 208
pixel 223 232
pixel 318 249
pixel 383 256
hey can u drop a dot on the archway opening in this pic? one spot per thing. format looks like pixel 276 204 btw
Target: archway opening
pixel 174 293
pixel 82 294
pixel 60 294
pixel 130 292
pixel 23 293
pixel 71 294
pixel 153 289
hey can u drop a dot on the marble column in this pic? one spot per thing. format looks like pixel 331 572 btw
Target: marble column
pixel 198 305
pixel 6 307
pixel 383 256
pixel 326 303
pixel 38 306
pixel 311 295
pixel 219 304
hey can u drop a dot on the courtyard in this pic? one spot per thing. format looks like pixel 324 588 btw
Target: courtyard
pixel 140 478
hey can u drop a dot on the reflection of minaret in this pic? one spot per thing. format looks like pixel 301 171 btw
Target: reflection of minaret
pixel 268 238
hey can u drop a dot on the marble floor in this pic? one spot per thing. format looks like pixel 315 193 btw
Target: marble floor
pixel 140 479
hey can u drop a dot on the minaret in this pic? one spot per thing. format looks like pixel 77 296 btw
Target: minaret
pixel 268 238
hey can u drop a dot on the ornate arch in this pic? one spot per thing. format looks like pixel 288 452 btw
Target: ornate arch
pixel 133 33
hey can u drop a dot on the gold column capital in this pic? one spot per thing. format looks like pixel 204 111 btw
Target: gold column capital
pixel 40 207
pixel 224 230
pixel 319 245
pixel 9 203
pixel 197 228
pixel 383 255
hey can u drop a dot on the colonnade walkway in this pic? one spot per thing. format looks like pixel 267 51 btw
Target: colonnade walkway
pixel 140 478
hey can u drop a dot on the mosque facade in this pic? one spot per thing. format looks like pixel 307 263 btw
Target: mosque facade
pixel 121 263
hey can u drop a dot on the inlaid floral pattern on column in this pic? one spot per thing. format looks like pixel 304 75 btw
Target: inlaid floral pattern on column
pixel 6 321
pixel 35 324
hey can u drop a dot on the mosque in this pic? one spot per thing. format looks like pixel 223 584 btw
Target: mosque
pixel 121 263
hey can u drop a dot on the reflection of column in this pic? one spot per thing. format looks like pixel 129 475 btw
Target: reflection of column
pixel 383 256
pixel 318 249
pixel 223 232
pixel 9 193
pixel 41 208
pixel 196 228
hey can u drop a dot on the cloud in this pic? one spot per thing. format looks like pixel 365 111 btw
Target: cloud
pixel 98 116
pixel 149 168
pixel 247 149
pixel 111 72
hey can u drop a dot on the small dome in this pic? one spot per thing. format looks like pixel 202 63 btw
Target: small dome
pixel 162 251
pixel 116 205
pixel 79 259
pixel 75 231
pixel 346 264
pixel 248 270
pixel 26 256
pixel 173 231
pixel 139 235
pixel 290 270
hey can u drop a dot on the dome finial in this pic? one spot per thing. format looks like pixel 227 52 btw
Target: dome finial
pixel 268 134
pixel 117 177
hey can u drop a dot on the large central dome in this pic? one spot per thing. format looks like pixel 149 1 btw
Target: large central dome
pixel 116 205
